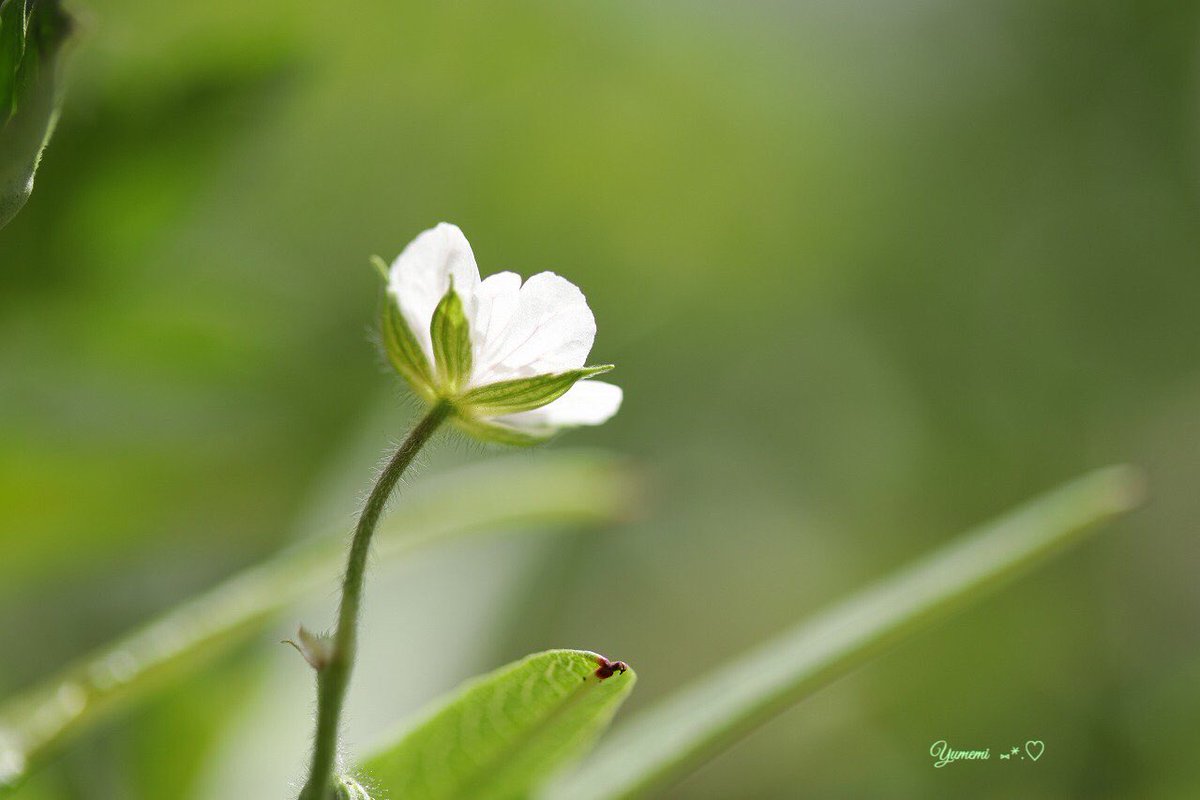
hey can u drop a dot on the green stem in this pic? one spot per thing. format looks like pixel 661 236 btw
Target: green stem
pixel 511 494
pixel 334 677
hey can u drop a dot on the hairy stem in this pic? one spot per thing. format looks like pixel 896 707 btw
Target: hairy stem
pixel 334 677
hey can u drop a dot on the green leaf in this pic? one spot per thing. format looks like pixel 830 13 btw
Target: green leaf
pixel 506 494
pixel 525 394
pixel 32 33
pixel 403 350
pixel 13 21
pixel 451 341
pixel 672 739
pixel 499 735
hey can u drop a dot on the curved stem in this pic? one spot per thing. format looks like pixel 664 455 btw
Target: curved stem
pixel 334 676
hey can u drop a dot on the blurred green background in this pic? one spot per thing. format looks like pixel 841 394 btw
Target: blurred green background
pixel 871 273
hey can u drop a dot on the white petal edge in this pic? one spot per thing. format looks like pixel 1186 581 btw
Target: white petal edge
pixel 551 329
pixel 420 276
pixel 588 402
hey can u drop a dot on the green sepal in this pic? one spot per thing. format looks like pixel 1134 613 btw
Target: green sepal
pixel 381 268
pixel 494 433
pixel 403 350
pixel 451 342
pixel 525 394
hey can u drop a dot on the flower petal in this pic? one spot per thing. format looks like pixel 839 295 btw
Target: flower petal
pixel 551 329
pixel 492 308
pixel 421 275
pixel 586 403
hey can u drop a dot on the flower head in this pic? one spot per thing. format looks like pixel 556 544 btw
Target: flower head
pixel 507 356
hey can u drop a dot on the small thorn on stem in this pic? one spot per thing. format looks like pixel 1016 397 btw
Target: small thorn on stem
pixel 316 649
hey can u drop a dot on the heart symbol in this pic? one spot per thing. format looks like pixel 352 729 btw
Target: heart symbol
pixel 1035 748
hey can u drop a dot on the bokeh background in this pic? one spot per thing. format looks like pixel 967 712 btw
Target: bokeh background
pixel 871 271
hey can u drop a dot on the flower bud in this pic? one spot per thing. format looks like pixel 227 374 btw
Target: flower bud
pixel 349 789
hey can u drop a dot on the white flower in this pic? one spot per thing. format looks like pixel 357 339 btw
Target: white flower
pixel 508 356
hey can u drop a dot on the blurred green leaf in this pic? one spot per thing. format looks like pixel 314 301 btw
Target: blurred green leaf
pixel 562 488
pixel 32 33
pixel 669 741
pixel 12 47
pixel 502 733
